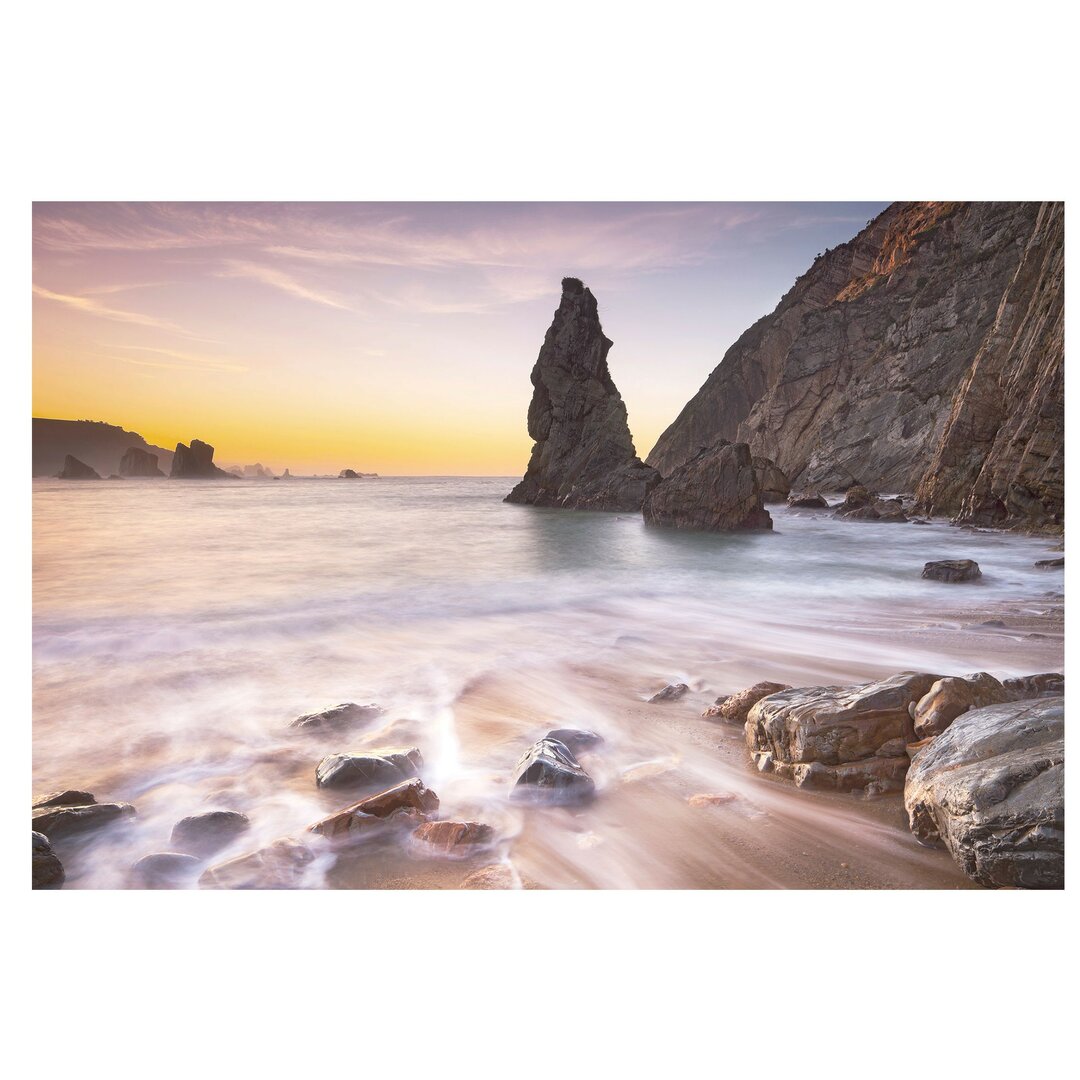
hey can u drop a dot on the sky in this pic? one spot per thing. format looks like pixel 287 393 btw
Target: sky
pixel 391 338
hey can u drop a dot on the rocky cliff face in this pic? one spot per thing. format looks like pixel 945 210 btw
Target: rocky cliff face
pixel 195 462
pixel 925 355
pixel 583 456
pixel 136 462
pixel 98 445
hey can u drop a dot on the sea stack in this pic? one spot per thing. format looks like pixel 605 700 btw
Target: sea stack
pixel 137 462
pixel 74 469
pixel 195 462
pixel 584 456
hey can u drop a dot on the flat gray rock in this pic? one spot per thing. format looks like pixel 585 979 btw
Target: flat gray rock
pixel 374 768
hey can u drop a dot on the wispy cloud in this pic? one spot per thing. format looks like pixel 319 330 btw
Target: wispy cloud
pixel 177 359
pixel 89 306
pixel 278 279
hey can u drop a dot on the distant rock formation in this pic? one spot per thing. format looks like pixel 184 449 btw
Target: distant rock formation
pixel 717 490
pixel 258 472
pixel 195 462
pixel 286 475
pixel 96 444
pixel 925 355
pixel 74 469
pixel 138 462
pixel 348 474
pixel 584 456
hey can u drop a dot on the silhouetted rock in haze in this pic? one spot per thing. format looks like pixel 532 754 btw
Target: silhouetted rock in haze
pixel 138 462
pixel 99 445
pixel 73 469
pixel 584 456
pixel 195 462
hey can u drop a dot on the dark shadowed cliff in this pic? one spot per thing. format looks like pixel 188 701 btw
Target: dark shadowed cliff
pixel 924 355
pixel 100 445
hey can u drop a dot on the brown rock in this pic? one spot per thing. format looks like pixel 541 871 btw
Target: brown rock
pixel 809 500
pixel 208 833
pixel 409 802
pixel 497 876
pixel 339 718
pixel 457 839
pixel 1048 684
pixel 577 739
pixel 716 490
pixel 47 872
pixel 64 798
pixel 139 462
pixel 952 570
pixel 775 486
pixel 735 708
pixel 671 692
pixel 57 822
pixel 950 697
pixel 284 864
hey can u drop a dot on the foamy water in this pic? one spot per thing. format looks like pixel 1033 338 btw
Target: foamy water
pixel 180 626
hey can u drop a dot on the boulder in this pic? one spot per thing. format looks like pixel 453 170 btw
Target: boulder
pixel 74 469
pixel 949 697
pixel 735 708
pixel 952 570
pixel 165 870
pixel 196 462
pixel 284 864
pixel 372 769
pixel 1051 564
pixel 775 486
pixel 576 738
pixel 57 822
pixel 139 462
pixel 47 872
pixel 991 790
pixel 64 798
pixel 206 834
pixel 456 839
pixel 583 456
pixel 716 490
pixel 407 803
pixel 549 772
pixel 339 718
pixel 1048 684
pixel 808 500
pixel 832 737
pixel 671 692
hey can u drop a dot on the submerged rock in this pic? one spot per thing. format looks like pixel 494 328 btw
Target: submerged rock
pixel 837 737
pixel 47 872
pixel 139 462
pixel 991 789
pixel 56 822
pixel 196 462
pixel 498 876
pixel 206 834
pixel 735 708
pixel 583 455
pixel 456 839
pixel 775 486
pixel 576 738
pixel 338 718
pixel 549 772
pixel 716 490
pixel 284 864
pixel 671 692
pixel 407 803
pixel 950 697
pixel 165 870
pixel 375 768
pixel 74 469
pixel 809 500
pixel 952 570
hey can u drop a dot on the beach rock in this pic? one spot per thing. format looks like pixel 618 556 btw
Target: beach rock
pixel 407 803
pixel 575 738
pixel 165 870
pixel 889 510
pixel 47 872
pixel 74 469
pixel 206 834
pixel 339 718
pixel 57 822
pixel 831 737
pixel 1051 564
pixel 855 498
pixel 671 692
pixel 716 490
pixel 64 798
pixel 991 790
pixel 775 486
pixel 195 462
pixel 498 876
pixel 924 355
pixel 808 501
pixel 952 570
pixel 735 708
pixel 950 697
pixel 456 839
pixel 583 455
pixel 1048 684
pixel 549 772
pixel 139 462
pixel 284 864
pixel 373 769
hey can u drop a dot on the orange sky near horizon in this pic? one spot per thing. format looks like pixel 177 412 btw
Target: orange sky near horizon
pixel 390 338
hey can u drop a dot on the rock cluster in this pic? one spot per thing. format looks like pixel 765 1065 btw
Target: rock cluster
pixel 195 462
pixel 139 462
pixel 583 455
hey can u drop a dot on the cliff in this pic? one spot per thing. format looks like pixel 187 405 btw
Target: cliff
pixel 136 462
pixel 583 456
pixel 196 462
pixel 99 445
pixel 925 355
